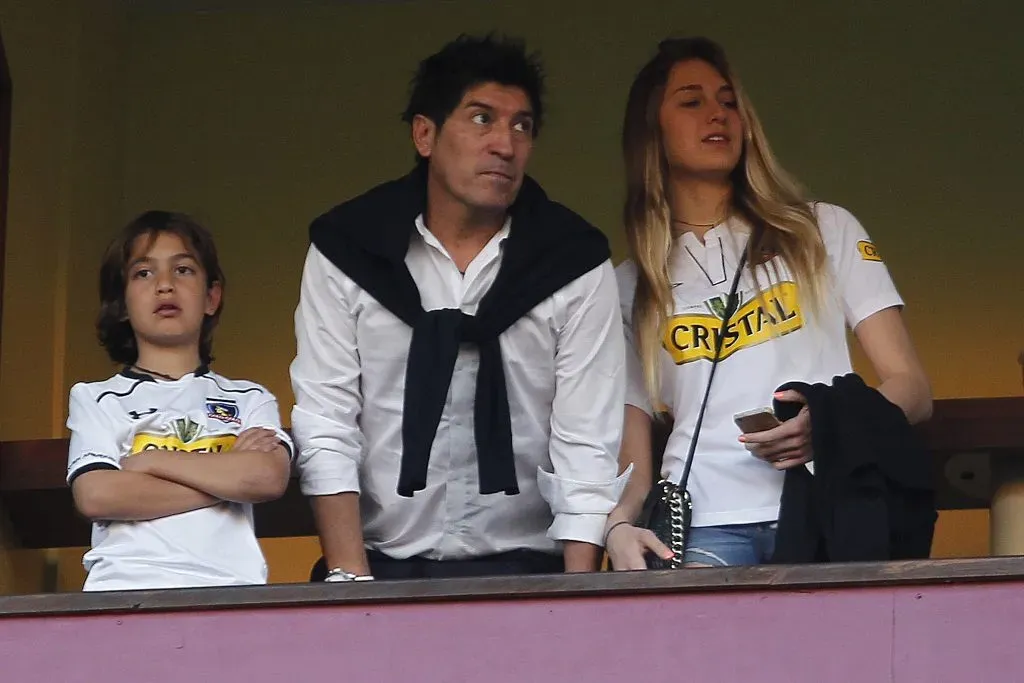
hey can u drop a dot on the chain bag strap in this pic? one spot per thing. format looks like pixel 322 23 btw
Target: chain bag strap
pixel 668 510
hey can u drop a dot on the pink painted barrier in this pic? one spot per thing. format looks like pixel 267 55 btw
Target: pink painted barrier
pixel 920 622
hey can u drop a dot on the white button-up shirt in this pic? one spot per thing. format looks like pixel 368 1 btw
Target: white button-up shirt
pixel 564 371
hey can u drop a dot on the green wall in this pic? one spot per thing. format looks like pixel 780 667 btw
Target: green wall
pixel 257 118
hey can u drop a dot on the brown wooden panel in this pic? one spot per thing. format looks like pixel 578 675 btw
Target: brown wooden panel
pixel 33 492
pixel 990 425
pixel 957 425
pixel 965 424
pixel 33 465
pixel 289 515
pixel 765 577
pixel 46 518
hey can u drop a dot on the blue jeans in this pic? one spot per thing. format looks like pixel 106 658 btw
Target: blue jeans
pixel 732 544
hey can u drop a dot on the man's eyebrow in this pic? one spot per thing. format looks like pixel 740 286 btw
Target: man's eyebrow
pixel 477 104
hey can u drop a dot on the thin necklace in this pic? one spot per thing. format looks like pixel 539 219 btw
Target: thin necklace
pixel 699 225
pixel 155 373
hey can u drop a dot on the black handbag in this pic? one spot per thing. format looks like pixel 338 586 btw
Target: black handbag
pixel 667 510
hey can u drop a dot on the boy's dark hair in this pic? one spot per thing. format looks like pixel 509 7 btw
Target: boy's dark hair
pixel 443 78
pixel 112 326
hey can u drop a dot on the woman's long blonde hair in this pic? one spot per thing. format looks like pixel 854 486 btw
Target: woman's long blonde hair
pixel 764 195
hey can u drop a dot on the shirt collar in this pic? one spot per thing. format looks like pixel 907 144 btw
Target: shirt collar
pixel 431 239
pixel 733 230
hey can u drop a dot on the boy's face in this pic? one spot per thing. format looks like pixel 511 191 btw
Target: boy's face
pixel 166 294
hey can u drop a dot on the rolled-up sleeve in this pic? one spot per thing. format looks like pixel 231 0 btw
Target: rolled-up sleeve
pixel 586 414
pixel 325 379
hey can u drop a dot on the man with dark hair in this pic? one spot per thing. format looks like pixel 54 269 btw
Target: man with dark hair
pixel 459 377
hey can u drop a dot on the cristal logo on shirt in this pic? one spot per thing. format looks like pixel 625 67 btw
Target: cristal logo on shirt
pixel 692 336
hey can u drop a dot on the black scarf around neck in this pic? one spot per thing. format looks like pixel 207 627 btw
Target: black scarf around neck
pixel 548 247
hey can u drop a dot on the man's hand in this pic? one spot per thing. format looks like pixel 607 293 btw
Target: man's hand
pixel 626 546
pixel 787 445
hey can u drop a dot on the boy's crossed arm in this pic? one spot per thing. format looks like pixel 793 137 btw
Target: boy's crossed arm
pixel 112 495
pixel 254 470
pixel 155 484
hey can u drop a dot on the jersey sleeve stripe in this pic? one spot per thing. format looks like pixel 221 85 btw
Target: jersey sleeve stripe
pixel 91 467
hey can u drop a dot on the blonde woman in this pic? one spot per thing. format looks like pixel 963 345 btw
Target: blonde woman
pixel 703 188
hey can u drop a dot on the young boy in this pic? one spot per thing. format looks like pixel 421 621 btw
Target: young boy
pixel 167 457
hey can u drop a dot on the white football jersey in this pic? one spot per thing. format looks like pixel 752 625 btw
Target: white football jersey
pixel 771 339
pixel 202 412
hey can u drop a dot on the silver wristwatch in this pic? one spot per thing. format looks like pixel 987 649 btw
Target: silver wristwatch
pixel 338 575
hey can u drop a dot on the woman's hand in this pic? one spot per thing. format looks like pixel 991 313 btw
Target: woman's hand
pixel 626 546
pixel 789 444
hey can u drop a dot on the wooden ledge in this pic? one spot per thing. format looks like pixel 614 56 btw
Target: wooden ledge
pixel 554 586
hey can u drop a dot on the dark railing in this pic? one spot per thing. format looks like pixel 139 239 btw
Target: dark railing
pixel 770 578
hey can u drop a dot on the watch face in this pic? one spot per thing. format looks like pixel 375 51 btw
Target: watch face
pixel 340 575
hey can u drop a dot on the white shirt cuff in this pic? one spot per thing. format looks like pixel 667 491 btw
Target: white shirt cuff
pixel 586 528
pixel 325 473
pixel 580 507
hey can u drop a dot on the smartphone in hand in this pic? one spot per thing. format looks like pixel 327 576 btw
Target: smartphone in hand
pixel 758 420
